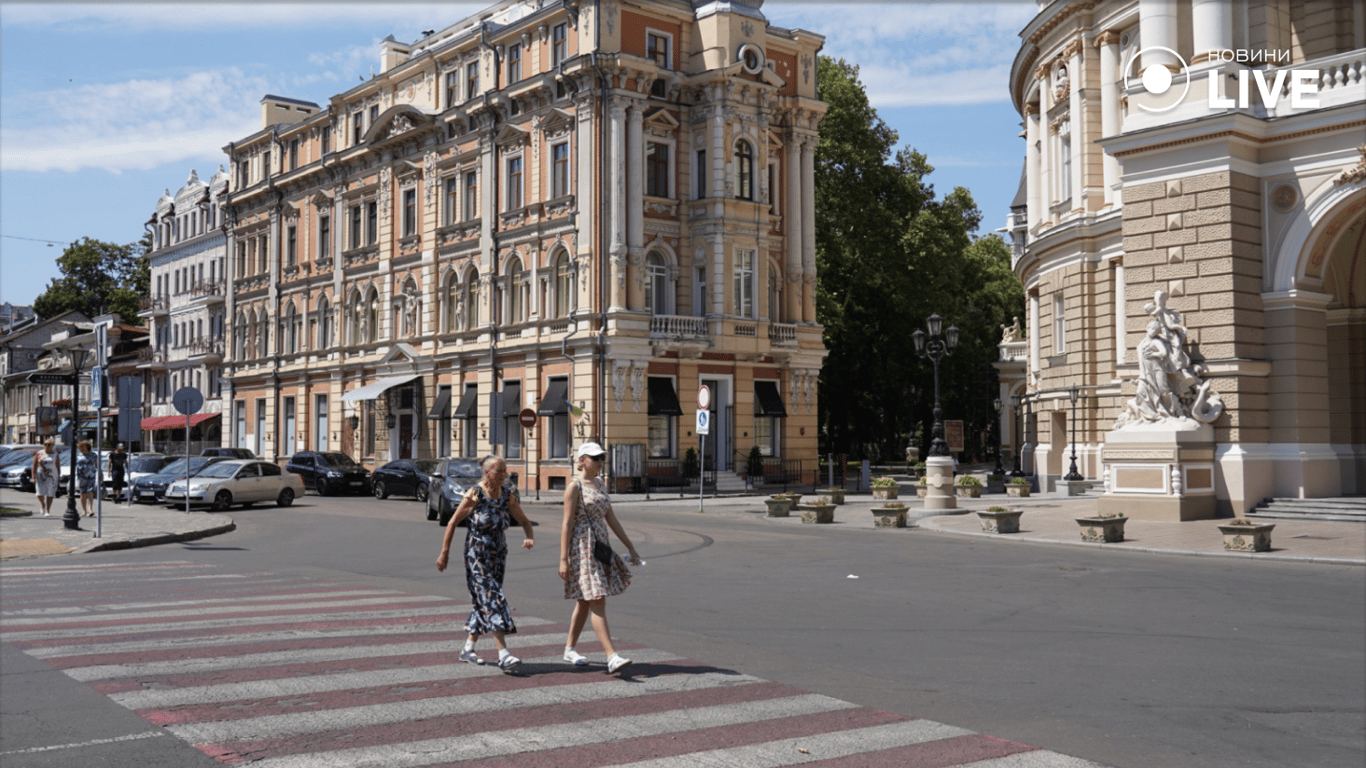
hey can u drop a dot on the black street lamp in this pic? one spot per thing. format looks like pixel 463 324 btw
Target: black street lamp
pixel 1015 402
pixel 72 518
pixel 1073 474
pixel 935 349
pixel 1000 470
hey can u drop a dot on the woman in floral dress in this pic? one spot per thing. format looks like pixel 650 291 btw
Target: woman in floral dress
pixel 587 516
pixel 489 509
pixel 87 477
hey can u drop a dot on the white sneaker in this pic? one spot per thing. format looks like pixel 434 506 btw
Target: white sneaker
pixel 574 657
pixel 470 657
pixel 617 663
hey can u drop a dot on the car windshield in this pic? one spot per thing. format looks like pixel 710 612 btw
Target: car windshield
pixel 178 466
pixel 339 460
pixel 147 463
pixel 16 457
pixel 221 469
pixel 463 469
pixel 427 466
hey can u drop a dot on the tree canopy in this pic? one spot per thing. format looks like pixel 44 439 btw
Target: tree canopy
pixel 98 277
pixel 890 253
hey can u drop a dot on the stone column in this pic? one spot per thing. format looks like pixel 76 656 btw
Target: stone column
pixel 1035 357
pixel 1121 315
pixel 616 162
pixel 792 222
pixel 1045 144
pixel 1304 464
pixel 1033 172
pixel 1211 28
pixel 635 188
pixel 1081 134
pixel 1110 78
pixel 1157 27
pixel 809 230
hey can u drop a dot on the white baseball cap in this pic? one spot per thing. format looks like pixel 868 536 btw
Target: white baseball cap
pixel 589 449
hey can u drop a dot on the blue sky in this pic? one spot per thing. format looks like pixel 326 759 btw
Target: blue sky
pixel 104 106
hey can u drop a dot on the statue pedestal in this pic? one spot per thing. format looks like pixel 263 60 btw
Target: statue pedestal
pixel 939 481
pixel 1162 471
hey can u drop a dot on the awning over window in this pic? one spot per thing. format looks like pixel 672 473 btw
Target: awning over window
pixel 372 391
pixel 663 399
pixel 153 423
pixel 554 402
pixel 468 401
pixel 441 409
pixel 766 399
pixel 512 400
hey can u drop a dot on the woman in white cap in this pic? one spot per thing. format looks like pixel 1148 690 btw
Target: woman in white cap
pixel 590 569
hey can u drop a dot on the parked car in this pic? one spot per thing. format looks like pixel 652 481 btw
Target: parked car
pixel 16 469
pixel 329 472
pixel 231 453
pixel 238 481
pixel 5 449
pixel 152 488
pixel 405 477
pixel 141 465
pixel 453 477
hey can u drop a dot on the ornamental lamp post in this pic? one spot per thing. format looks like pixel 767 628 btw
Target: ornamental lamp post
pixel 996 404
pixel 1015 403
pixel 77 355
pixel 936 347
pixel 1072 474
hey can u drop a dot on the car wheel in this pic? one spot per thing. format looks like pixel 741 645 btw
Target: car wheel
pixel 380 491
pixel 421 492
pixel 285 498
pixel 322 487
pixel 222 501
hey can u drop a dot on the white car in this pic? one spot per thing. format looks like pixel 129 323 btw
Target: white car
pixel 238 481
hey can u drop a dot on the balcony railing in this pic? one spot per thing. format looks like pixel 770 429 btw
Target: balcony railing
pixel 151 357
pixel 782 333
pixel 1014 351
pixel 154 305
pixel 679 326
pixel 206 347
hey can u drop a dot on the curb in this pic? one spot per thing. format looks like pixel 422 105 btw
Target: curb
pixel 147 541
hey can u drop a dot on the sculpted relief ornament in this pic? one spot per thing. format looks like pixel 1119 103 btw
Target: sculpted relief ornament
pixel 1171 394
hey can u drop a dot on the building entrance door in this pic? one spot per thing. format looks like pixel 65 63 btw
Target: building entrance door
pixel 405 436
pixel 722 415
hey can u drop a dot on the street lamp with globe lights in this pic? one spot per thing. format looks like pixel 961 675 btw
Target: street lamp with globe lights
pixel 996 404
pixel 936 346
pixel 72 518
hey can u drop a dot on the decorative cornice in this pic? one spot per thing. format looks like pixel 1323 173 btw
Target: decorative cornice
pixel 1073 48
pixel 1108 37
pixel 1355 174
pixel 1061 16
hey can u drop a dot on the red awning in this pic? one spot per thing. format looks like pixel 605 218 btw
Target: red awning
pixel 196 419
pixel 177 421
pixel 152 423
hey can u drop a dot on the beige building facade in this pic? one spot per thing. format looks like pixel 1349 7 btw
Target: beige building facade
pixel 1238 192
pixel 585 210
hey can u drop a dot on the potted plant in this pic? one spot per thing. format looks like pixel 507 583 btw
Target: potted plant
pixel 969 487
pixel 793 496
pixel 884 488
pixel 920 468
pixel 690 467
pixel 1108 528
pixel 821 512
pixel 1243 535
pixel 832 495
pixel 1018 487
pixel 778 505
pixel 890 515
pixel 1000 520
pixel 922 488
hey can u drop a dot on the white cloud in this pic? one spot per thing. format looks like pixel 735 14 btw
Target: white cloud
pixel 134 124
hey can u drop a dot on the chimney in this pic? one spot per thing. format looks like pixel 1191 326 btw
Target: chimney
pixel 279 110
pixel 392 53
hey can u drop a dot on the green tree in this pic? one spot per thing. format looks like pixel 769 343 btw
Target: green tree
pixel 889 254
pixel 98 277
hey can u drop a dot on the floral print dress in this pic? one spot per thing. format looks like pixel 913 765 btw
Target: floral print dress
pixel 588 578
pixel 85 472
pixel 486 557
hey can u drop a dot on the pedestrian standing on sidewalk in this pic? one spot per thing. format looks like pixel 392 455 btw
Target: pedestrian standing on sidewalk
pixel 87 477
pixel 47 470
pixel 118 464
pixel 490 508
pixel 590 569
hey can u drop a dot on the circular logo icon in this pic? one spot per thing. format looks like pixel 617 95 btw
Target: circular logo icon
pixel 1156 79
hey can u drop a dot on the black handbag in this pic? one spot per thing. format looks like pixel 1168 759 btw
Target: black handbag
pixel 602 552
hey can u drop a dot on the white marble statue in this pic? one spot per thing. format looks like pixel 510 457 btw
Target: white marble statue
pixel 1011 333
pixel 1170 390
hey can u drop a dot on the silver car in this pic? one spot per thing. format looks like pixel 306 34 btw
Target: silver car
pixel 238 481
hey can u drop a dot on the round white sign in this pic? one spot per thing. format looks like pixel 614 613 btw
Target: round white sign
pixel 703 397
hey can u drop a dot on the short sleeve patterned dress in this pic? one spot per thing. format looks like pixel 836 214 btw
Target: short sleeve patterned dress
pixel 45 482
pixel 588 578
pixel 85 472
pixel 486 557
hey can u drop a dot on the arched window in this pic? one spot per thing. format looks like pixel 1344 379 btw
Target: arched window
pixel 324 339
pixel 744 170
pixel 291 329
pixel 564 285
pixel 450 319
pixel 517 286
pixel 263 334
pixel 657 293
pixel 357 318
pixel 372 317
pixel 472 301
pixel 239 339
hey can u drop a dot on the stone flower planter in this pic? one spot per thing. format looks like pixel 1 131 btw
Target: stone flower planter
pixel 818 513
pixel 889 517
pixel 1247 538
pixel 922 491
pixel 886 493
pixel 832 496
pixel 778 507
pixel 969 491
pixel 1102 529
pixel 1003 521
pixel 1018 491
pixel 792 496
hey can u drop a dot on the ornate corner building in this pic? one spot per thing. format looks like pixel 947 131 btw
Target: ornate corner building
pixel 1210 151
pixel 581 209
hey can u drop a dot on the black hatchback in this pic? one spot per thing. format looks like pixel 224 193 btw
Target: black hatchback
pixel 329 472
pixel 404 477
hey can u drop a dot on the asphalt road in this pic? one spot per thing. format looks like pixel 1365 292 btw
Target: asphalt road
pixel 1132 660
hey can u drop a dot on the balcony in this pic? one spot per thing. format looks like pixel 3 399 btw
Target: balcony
pixel 208 293
pixel 782 334
pixel 1014 351
pixel 209 351
pixel 681 327
pixel 152 359
pixel 154 306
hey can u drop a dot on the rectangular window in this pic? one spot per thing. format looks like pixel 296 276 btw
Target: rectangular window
pixel 657 169
pixel 700 293
pixel 559 44
pixel 512 405
pixel 657 49
pixel 371 222
pixel 514 183
pixel 290 439
pixel 661 437
pixel 374 114
pixel 452 88
pixel 471 80
pixel 409 212
pixel 449 203
pixel 560 438
pixel 701 174
pixel 265 165
pixel 1065 176
pixel 1059 327
pixel 291 245
pixel 469 432
pixel 369 428
pixel 744 283
pixel 357 128
pixel 327 139
pixel 766 431
pixel 471 199
pixel 293 154
pixel 320 422
pixel 559 169
pixel 324 236
pixel 514 63
pixel 354 237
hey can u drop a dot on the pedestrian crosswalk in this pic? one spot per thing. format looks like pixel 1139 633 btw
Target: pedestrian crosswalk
pixel 292 672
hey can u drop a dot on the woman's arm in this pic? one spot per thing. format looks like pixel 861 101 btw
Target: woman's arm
pixel 515 508
pixel 621 534
pixel 571 503
pixel 461 512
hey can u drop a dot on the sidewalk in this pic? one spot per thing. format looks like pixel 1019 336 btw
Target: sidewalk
pixel 122 527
